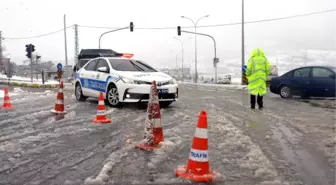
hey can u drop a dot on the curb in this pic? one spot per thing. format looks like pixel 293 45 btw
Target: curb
pixel 19 84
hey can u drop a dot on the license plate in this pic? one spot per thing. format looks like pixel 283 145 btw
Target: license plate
pixel 162 91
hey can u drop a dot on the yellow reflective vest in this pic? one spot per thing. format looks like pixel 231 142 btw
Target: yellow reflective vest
pixel 257 70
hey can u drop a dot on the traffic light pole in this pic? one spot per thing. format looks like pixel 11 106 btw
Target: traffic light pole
pixel 31 63
pixel 215 50
pixel 110 32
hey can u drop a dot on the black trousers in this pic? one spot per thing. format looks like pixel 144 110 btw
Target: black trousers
pixel 259 101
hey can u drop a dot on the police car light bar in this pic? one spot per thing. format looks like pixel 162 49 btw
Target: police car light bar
pixel 127 55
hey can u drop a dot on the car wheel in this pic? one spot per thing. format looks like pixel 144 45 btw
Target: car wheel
pixel 79 93
pixel 112 96
pixel 285 92
pixel 165 104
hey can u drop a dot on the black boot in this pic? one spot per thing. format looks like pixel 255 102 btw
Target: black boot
pixel 260 102
pixel 252 101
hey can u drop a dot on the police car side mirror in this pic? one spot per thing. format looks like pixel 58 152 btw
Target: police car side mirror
pixel 103 69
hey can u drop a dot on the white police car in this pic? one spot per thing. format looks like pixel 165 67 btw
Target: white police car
pixel 123 80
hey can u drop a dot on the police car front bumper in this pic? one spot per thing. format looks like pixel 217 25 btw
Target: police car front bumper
pixel 140 93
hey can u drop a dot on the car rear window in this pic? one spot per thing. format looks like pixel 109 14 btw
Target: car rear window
pixel 130 65
pixel 333 68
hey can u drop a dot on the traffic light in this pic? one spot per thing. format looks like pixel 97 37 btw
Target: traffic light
pixel 131 26
pixel 32 48
pixel 28 50
pixel 215 61
pixel 179 30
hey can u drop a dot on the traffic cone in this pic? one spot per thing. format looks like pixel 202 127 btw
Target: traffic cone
pixel 6 103
pixel 197 168
pixel 153 130
pixel 59 105
pixel 101 116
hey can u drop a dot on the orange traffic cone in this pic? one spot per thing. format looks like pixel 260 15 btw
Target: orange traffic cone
pixel 59 105
pixel 6 103
pixel 197 168
pixel 153 130
pixel 101 116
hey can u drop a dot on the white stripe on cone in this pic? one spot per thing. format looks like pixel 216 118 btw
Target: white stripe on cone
pixel 60 102
pixel 201 133
pixel 100 112
pixel 157 122
pixel 60 90
pixel 101 102
pixel 199 155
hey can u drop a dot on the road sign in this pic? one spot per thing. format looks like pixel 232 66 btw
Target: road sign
pixel 245 80
pixel 59 66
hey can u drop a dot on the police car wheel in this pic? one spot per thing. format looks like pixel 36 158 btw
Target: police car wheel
pixel 79 93
pixel 113 96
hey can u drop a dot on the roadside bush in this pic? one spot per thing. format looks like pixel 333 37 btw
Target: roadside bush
pixel 35 86
pixel 24 84
pixel 14 83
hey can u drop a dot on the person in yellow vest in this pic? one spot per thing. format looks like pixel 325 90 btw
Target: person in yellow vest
pixel 257 70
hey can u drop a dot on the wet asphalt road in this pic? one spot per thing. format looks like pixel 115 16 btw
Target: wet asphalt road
pixel 289 142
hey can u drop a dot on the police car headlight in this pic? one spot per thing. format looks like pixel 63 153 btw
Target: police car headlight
pixel 172 81
pixel 126 80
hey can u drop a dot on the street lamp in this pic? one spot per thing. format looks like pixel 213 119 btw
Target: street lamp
pixel 182 43
pixel 195 25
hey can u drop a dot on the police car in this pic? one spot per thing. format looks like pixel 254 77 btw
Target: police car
pixel 123 80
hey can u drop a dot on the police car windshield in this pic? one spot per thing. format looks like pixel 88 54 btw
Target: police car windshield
pixel 130 65
pixel 82 62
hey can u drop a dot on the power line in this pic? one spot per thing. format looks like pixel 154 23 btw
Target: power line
pixel 220 25
pixel 165 28
pixel 36 36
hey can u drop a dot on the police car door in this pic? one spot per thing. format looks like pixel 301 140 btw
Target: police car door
pixel 87 77
pixel 102 74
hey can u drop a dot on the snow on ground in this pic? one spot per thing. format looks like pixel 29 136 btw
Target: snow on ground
pixel 214 87
pixel 19 79
pixel 2 94
pixel 232 154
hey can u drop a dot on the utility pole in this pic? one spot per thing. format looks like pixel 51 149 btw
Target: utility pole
pixel 1 47
pixel 243 44
pixel 65 44
pixel 76 44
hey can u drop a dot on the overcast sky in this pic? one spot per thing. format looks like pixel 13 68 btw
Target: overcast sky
pixel 19 18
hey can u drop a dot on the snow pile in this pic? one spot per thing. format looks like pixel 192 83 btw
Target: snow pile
pixel 112 160
pixel 166 148
pixel 329 148
pixel 247 155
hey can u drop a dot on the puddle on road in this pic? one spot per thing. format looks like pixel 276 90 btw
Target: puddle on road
pixel 310 168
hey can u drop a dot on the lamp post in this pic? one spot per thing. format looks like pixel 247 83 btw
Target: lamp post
pixel 195 25
pixel 243 43
pixel 182 44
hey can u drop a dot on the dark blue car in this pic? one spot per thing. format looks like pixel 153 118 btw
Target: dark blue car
pixel 317 81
